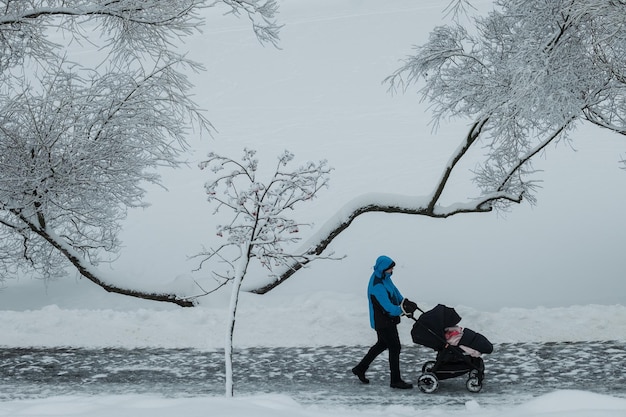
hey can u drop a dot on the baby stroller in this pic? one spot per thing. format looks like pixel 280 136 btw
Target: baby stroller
pixel 452 359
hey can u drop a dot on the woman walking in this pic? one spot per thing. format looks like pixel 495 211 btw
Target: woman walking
pixel 386 305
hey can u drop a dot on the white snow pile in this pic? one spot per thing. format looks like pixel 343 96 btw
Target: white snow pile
pixel 557 404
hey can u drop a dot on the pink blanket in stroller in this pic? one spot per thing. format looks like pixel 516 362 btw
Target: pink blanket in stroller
pixel 453 337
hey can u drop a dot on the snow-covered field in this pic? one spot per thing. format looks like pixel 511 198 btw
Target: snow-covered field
pixel 553 272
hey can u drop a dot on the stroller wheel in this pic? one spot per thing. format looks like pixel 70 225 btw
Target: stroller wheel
pixel 428 383
pixel 473 384
pixel 428 366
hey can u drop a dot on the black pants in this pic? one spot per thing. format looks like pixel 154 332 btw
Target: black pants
pixel 387 339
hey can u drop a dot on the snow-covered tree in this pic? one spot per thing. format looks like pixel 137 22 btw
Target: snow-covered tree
pixel 78 140
pixel 261 227
pixel 524 76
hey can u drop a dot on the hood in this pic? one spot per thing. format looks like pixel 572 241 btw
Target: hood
pixel 429 329
pixel 382 264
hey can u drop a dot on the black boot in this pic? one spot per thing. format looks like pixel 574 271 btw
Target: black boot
pixel 400 384
pixel 360 374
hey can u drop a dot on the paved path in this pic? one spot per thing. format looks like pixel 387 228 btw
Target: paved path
pixel 514 373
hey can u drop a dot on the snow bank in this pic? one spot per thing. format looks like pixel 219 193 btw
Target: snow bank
pixel 318 319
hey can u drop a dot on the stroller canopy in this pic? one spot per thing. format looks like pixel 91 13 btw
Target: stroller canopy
pixel 429 329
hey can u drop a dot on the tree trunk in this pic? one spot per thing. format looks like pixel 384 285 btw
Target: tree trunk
pixel 232 312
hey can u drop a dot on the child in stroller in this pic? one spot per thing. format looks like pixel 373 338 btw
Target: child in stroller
pixel 458 349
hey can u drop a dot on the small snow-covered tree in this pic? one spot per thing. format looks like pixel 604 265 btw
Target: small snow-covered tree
pixel 78 142
pixel 524 76
pixel 261 227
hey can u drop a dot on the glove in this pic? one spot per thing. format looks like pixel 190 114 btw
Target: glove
pixel 408 307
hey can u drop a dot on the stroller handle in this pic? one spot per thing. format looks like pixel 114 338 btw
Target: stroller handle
pixel 413 315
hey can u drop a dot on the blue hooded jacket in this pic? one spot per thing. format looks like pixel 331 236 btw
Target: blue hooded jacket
pixel 384 298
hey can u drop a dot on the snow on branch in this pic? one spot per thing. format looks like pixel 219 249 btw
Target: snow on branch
pixel 379 203
pixel 262 15
pixel 129 27
pixel 261 225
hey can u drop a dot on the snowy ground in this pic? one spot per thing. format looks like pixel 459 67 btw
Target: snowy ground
pixel 326 326
pixel 557 404
pixel 552 273
pixel 312 376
